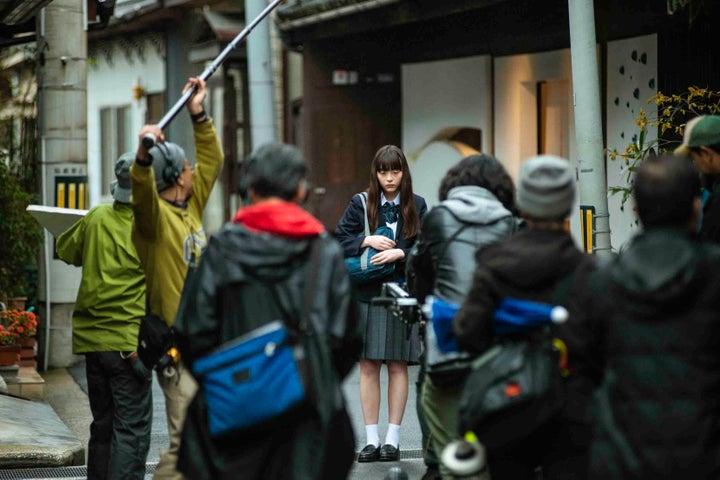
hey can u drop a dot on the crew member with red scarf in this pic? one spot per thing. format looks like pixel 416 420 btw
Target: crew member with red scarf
pixel 252 270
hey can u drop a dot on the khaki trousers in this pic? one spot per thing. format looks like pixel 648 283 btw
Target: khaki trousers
pixel 179 391
pixel 440 407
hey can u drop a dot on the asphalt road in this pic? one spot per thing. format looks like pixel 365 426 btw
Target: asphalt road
pixel 410 435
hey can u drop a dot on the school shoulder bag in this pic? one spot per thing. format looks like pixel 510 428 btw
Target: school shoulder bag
pixel 359 267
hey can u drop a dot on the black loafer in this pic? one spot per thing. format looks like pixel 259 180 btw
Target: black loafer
pixel 370 453
pixel 388 453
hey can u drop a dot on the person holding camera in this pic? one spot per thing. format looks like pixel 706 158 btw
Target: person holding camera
pixel 543 264
pixel 392 203
pixel 477 207
pixel 106 319
pixel 168 198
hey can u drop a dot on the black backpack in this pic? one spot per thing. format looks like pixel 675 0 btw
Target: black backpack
pixel 515 387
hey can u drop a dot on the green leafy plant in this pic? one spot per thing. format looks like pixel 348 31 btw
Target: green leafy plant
pixel 20 233
pixel 21 236
pixel 669 122
pixel 693 7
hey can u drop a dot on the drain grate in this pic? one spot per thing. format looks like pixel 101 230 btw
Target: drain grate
pixel 404 454
pixel 78 472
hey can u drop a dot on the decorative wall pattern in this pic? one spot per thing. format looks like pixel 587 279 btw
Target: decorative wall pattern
pixel 631 81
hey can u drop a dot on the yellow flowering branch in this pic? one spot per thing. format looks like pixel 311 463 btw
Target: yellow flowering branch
pixel 672 113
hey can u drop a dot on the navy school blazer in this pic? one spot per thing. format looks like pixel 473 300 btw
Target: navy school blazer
pixel 352 223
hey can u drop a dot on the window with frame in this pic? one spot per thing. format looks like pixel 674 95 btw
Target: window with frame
pixel 155 107
pixel 115 139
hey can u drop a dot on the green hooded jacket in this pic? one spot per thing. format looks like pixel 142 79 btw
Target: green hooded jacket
pixel 111 299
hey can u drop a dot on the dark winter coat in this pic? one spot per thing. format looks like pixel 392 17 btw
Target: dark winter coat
pixel 710 228
pixel 529 266
pixel 352 224
pixel 658 413
pixel 268 246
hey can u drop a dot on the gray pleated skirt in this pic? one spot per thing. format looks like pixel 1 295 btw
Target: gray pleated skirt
pixel 386 337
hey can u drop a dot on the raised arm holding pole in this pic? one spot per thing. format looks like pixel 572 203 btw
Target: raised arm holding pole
pixel 149 139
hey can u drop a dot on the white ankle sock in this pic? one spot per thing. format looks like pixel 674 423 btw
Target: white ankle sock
pixel 393 435
pixel 371 435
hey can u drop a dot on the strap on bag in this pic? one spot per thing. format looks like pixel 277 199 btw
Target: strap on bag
pixel 363 199
pixel 302 321
pixel 449 241
pixel 364 257
pixel 319 372
pixel 312 274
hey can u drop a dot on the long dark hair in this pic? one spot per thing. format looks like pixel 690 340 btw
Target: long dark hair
pixel 484 171
pixel 390 157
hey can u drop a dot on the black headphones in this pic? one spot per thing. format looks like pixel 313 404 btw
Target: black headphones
pixel 170 174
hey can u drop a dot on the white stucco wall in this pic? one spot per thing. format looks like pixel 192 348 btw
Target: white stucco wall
pixel 631 81
pixel 111 77
pixel 516 112
pixel 435 95
pixel 516 81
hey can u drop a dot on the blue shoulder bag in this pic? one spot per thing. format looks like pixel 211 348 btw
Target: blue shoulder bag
pixel 360 269
pixel 260 375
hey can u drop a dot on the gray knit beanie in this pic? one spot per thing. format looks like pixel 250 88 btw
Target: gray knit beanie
pixel 546 188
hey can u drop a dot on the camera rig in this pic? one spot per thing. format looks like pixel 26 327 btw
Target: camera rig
pixel 399 303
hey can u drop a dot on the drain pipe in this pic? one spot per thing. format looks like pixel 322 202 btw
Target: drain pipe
pixel 48 253
pixel 44 192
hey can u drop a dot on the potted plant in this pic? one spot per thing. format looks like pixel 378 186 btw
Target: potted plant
pixel 24 325
pixel 9 346
pixel 21 234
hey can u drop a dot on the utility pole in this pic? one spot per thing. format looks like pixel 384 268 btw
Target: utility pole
pixel 592 180
pixel 262 107
pixel 62 115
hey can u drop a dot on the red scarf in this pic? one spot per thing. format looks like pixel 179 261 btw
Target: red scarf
pixel 280 218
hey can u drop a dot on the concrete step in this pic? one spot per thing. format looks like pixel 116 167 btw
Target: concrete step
pixel 32 435
pixel 24 381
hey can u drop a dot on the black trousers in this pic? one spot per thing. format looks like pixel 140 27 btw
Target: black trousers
pixel 120 397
